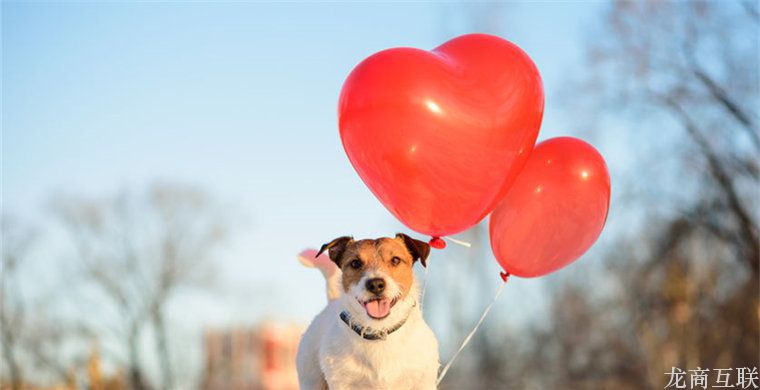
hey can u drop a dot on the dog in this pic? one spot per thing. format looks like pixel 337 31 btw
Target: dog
pixel 372 335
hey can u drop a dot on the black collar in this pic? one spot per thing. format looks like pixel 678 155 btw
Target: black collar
pixel 367 333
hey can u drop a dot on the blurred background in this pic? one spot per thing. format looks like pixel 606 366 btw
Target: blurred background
pixel 164 162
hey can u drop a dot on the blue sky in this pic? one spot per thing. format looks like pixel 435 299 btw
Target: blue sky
pixel 239 98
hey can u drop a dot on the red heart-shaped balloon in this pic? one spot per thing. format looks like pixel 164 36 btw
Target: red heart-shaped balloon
pixel 439 136
pixel 555 210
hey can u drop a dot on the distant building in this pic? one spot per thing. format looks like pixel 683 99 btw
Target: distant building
pixel 260 358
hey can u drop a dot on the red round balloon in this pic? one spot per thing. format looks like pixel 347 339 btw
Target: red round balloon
pixel 554 211
pixel 439 136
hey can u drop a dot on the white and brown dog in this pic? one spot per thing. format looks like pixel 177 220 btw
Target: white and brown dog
pixel 372 335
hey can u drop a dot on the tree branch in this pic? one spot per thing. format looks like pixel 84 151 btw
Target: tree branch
pixel 720 95
pixel 747 227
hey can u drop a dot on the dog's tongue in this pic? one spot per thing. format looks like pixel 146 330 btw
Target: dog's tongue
pixel 378 308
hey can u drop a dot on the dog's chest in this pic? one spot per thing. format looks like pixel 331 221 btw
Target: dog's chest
pixel 397 362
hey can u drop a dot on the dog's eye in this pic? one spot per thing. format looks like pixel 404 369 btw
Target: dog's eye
pixel 395 260
pixel 355 264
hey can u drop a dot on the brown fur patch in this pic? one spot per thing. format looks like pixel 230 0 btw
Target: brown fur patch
pixel 377 255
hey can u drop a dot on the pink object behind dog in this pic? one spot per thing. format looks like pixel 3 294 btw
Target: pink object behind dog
pixel 331 272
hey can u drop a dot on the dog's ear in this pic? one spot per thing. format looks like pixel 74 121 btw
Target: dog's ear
pixel 335 248
pixel 418 249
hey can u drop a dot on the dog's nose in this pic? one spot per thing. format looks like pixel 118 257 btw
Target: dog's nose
pixel 376 285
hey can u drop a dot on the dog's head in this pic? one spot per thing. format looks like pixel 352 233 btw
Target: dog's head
pixel 378 281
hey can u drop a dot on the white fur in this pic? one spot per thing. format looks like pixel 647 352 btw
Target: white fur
pixel 331 354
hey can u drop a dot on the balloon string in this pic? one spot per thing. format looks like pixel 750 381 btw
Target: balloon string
pixel 460 242
pixel 472 333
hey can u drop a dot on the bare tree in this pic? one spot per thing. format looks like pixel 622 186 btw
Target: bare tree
pixel 15 243
pixel 684 302
pixel 38 345
pixel 137 251
pixel 682 77
pixel 688 73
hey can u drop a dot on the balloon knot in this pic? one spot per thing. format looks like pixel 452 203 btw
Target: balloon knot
pixel 437 243
pixel 504 276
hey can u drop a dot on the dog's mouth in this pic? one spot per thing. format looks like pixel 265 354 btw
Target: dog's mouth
pixel 378 308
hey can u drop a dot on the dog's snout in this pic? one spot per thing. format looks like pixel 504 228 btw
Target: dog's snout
pixel 376 285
